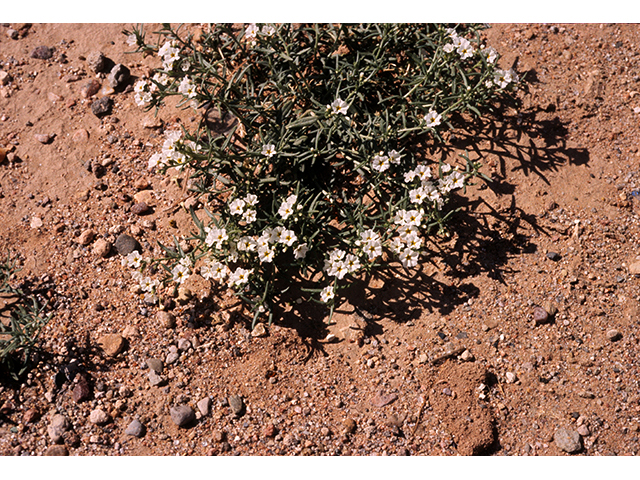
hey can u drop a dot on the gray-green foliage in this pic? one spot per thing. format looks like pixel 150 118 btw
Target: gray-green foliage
pixel 22 319
pixel 324 119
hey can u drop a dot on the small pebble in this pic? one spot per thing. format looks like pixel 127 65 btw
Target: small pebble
pixel 567 440
pixel 98 417
pixel 540 315
pixel 43 138
pixel 56 451
pixel 118 76
pixel 182 415
pixel 96 61
pixel 126 244
pixel 101 248
pixel 511 377
pixel 12 34
pixel 42 53
pixel 155 364
pixel 183 344
pixel 166 319
pixel 135 429
pixel 467 356
pixel 140 208
pixel 80 135
pixel 614 335
pixel 102 106
pixel 553 256
pixel 584 430
pixel 259 331
pixel 86 237
pixel 349 426
pixel 90 88
pixel 172 357
pixel 59 424
pixel 269 430
pixel 5 77
pixel 236 404
pixel 112 344
pixel 154 379
pixel 204 406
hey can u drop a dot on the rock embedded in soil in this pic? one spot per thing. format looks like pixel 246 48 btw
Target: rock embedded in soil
pixel 540 315
pixel 112 344
pixel 613 335
pixel 155 364
pixel 59 424
pixel 102 248
pixel 135 429
pixel 259 331
pixel 30 416
pixel 383 399
pixel 182 415
pixel 269 430
pixel 102 106
pixel 125 244
pixel 118 76
pixel 42 53
pixel 236 404
pixel 140 208
pixel 81 391
pixel 568 440
pixel 349 426
pixel 554 256
pixel 96 61
pixel 634 268
pixel 166 319
pixel 80 135
pixel 90 88
pixel 86 237
pixel 43 138
pixel 5 77
pixel 98 417
pixel 56 451
pixel 204 406
pixel 155 380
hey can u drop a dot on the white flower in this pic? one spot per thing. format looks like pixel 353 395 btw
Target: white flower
pixel 373 249
pixel 237 206
pixel 397 246
pixel 251 31
pixel 265 254
pixel 154 160
pixel 409 258
pixel 336 254
pixel 394 157
pixel 369 236
pixel 147 284
pixel 288 237
pixel 186 261
pixel 140 86
pixel 380 163
pixel 239 277
pixel 490 53
pixel 339 106
pixel 249 216
pixel 251 199
pixel 457 179
pixel 300 251
pixel 406 231
pixel 132 40
pixel 433 119
pixel 413 217
pixel 268 30
pixel 187 88
pixel 286 209
pixel 422 172
pixel 161 78
pixel 352 263
pixel 216 235
pixel 327 294
pixel 502 78
pixel 214 271
pixel 134 259
pixel 338 269
pixel 164 49
pixel 246 244
pixel 418 195
pixel 465 49
pixel 445 168
pixel 180 273
pixel 409 176
pixel 269 150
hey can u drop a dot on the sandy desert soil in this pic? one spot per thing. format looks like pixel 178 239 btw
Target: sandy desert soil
pixel 457 359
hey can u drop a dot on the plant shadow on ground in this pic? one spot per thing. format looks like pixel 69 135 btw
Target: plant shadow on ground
pixel 482 236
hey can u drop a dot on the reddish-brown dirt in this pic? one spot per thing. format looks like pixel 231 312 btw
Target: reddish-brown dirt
pixel 447 361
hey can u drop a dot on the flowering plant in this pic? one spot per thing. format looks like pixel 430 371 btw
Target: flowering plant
pixel 307 153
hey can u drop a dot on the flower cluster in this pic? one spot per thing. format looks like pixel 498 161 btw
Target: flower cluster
pixel 147 284
pixel 322 185
pixel 460 44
